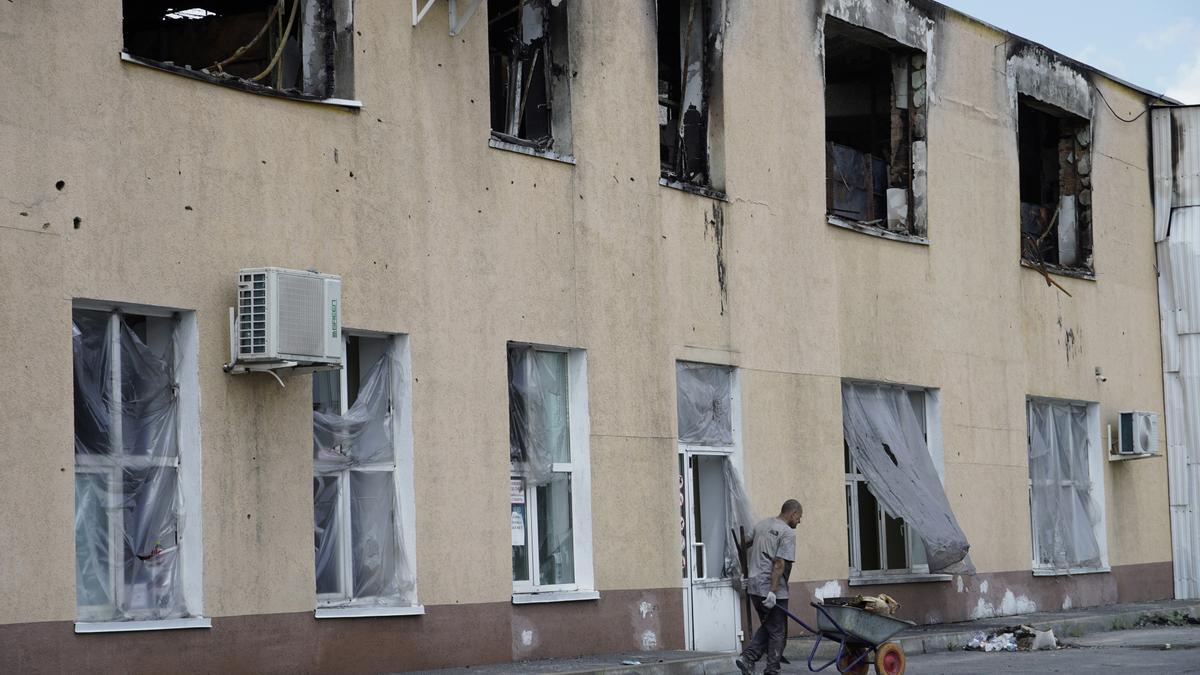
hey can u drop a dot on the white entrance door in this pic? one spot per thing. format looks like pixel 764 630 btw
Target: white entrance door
pixel 713 621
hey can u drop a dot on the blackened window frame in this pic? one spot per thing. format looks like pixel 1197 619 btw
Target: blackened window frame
pixel 337 75
pixel 704 175
pixel 549 55
pixel 903 161
pixel 1040 220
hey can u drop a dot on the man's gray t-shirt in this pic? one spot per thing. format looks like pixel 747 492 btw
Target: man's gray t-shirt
pixel 772 539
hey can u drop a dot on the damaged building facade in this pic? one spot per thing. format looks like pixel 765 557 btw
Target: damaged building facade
pixel 878 256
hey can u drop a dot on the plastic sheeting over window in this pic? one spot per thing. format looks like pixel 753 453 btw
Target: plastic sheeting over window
pixel 360 557
pixel 539 433
pixel 888 447
pixel 740 517
pixel 1064 513
pixel 127 502
pixel 704 403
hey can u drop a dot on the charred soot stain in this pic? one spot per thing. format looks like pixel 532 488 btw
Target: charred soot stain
pixel 717 223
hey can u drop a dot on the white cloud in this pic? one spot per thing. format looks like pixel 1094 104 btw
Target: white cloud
pixel 1183 31
pixel 1185 85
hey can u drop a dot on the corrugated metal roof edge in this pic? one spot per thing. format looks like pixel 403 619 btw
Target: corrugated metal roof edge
pixel 1090 68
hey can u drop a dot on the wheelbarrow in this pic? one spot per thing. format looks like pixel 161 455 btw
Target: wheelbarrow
pixel 860 635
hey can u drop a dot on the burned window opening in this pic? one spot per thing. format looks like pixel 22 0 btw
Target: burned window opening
pixel 875 120
pixel 688 32
pixel 1055 184
pixel 529 68
pixel 295 48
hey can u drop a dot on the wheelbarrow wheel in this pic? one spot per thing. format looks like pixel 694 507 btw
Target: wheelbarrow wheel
pixel 849 654
pixel 889 659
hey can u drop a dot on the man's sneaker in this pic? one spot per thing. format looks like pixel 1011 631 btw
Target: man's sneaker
pixel 746 668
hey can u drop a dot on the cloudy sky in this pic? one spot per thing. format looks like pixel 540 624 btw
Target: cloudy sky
pixel 1154 44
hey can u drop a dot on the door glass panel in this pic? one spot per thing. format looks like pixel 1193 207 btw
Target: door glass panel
pixel 713 519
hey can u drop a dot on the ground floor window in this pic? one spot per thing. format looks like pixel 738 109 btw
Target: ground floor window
pixel 550 477
pixel 878 541
pixel 1066 489
pixel 898 517
pixel 133 466
pixel 362 477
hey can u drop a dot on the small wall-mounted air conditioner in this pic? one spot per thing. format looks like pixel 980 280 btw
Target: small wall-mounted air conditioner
pixel 290 317
pixel 1138 433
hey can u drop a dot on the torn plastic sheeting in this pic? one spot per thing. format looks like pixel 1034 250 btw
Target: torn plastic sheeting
pixel 364 435
pixel 889 448
pixel 1064 512
pixel 538 425
pixel 740 518
pixel 125 471
pixel 703 398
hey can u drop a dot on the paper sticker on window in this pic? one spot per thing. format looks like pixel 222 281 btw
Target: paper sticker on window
pixel 516 491
pixel 518 527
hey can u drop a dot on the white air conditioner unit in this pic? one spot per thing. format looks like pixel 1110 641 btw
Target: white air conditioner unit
pixel 288 317
pixel 1138 433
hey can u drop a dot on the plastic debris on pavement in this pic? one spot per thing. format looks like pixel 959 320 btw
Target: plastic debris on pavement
pixel 1004 642
pixel 1013 638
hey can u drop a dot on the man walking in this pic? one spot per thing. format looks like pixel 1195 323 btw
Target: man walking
pixel 772 552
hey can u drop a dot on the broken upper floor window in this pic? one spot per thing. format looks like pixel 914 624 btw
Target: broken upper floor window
pixel 1056 186
pixel 688 61
pixel 875 118
pixel 300 48
pixel 530 73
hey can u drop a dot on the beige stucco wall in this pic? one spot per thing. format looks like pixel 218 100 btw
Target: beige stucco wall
pixel 464 247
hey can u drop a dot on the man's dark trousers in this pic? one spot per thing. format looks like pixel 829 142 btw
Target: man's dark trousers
pixel 771 636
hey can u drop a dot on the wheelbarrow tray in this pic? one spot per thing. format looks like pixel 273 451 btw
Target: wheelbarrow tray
pixel 858 626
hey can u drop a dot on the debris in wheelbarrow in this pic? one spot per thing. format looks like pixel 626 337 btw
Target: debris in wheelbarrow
pixel 876 604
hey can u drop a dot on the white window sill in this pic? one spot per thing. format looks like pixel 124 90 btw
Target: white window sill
pixel 130 626
pixel 876 580
pixel 1115 457
pixel 874 231
pixel 364 612
pixel 1050 572
pixel 234 83
pixel 498 144
pixel 553 596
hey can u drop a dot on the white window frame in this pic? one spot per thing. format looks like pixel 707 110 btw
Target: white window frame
pixel 1095 467
pixel 343 605
pixel 187 467
pixel 932 421
pixel 579 469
